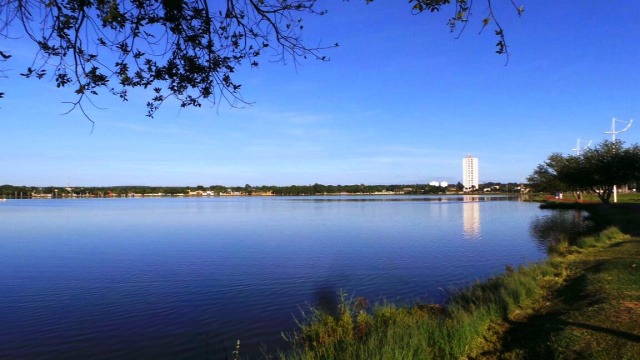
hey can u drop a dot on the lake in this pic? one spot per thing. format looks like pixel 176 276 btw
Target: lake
pixel 184 278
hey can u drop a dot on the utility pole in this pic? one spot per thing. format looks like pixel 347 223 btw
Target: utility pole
pixel 578 149
pixel 613 133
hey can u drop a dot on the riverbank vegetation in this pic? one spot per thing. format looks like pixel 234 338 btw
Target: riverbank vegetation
pixel 583 302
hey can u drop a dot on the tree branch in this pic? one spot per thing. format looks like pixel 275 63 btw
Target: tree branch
pixel 185 50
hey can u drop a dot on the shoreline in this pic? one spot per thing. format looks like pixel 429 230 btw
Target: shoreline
pixel 497 317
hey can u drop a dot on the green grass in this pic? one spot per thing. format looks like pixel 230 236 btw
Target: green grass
pixel 583 302
pixel 594 314
pixel 420 331
pixel 630 198
pixel 602 238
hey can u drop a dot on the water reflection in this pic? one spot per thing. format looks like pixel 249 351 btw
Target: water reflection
pixel 471 217
pixel 557 225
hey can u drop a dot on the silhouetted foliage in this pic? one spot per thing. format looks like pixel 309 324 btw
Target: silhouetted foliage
pixel 186 50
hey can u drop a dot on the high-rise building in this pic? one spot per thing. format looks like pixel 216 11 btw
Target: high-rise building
pixel 470 173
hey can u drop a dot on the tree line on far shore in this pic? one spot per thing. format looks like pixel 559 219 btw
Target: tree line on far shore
pixel 11 191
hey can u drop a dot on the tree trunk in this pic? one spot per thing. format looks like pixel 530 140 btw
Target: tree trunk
pixel 578 196
pixel 604 194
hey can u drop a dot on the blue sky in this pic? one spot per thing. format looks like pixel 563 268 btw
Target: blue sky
pixel 401 101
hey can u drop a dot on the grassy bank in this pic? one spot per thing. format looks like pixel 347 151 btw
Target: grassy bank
pixel 593 314
pixel 629 198
pixel 584 302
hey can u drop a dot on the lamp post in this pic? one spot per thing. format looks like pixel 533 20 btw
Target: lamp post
pixel 578 149
pixel 613 133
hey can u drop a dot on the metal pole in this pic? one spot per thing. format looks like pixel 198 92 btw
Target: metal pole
pixel 613 137
pixel 613 133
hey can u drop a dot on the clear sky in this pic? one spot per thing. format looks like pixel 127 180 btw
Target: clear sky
pixel 401 101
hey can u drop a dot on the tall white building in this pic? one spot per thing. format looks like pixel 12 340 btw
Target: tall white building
pixel 470 172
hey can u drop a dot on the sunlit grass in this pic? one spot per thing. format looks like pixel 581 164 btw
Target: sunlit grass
pixel 587 197
pixel 602 238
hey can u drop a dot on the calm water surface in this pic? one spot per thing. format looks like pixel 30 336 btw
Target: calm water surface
pixel 185 278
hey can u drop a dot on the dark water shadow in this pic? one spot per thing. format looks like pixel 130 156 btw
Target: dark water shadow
pixel 623 216
pixel 556 226
pixel 217 346
pixel 326 298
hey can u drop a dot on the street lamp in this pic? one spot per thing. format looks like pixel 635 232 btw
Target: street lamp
pixel 578 149
pixel 613 133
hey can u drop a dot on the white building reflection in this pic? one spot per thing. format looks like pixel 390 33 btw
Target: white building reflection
pixel 471 217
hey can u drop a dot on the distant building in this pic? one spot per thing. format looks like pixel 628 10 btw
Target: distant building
pixel 470 173
pixel 443 184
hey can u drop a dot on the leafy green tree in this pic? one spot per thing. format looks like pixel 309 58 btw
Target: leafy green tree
pixel 607 165
pixel 597 170
pixel 545 177
pixel 187 50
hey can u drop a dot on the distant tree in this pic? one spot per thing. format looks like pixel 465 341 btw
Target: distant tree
pixel 319 188
pixel 187 50
pixel 171 191
pixel 513 187
pixel 218 189
pixel 430 189
pixel 545 177
pixel 459 186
